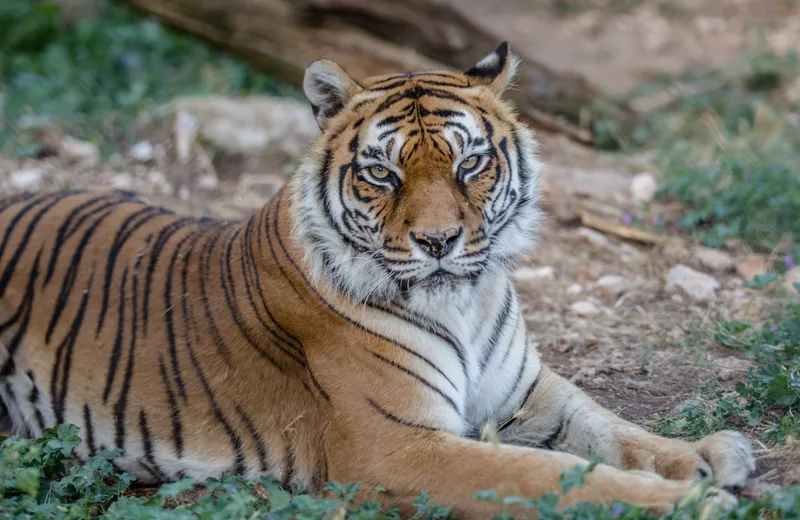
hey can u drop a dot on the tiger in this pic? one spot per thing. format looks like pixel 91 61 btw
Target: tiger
pixel 363 326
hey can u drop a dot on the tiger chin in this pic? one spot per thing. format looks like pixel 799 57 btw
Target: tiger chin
pixel 361 327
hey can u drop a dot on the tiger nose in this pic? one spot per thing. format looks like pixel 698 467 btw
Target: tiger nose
pixel 436 244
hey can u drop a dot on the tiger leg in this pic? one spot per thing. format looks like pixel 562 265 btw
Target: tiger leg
pixel 407 460
pixel 559 416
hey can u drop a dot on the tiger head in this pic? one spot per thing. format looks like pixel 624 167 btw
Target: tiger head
pixel 420 183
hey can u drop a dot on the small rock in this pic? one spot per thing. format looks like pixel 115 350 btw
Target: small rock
pixel 594 237
pixel 752 267
pixel 208 182
pixel 698 286
pixel 574 289
pixel 122 181
pixel 28 179
pixel 528 274
pixel 714 259
pixel 584 308
pixel 185 129
pixel 680 407
pixel 76 149
pixel 142 152
pixel 184 193
pixel 792 278
pixel 611 285
pixel 643 188
pixel 731 366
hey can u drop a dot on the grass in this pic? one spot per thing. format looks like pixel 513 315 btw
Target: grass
pixel 727 149
pixel 39 479
pixel 766 401
pixel 93 77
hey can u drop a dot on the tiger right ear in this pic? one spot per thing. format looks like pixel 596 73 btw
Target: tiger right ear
pixel 495 71
pixel 328 88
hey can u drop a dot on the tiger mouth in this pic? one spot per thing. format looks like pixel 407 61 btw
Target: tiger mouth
pixel 437 279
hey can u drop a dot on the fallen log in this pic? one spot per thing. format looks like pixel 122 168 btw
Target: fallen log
pixel 371 37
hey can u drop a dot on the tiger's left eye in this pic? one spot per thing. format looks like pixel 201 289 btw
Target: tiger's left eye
pixel 470 165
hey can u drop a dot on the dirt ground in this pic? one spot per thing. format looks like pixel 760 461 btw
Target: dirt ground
pixel 598 305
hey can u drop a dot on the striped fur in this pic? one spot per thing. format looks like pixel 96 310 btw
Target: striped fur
pixel 323 339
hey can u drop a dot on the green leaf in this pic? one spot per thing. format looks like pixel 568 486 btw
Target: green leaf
pixel 761 280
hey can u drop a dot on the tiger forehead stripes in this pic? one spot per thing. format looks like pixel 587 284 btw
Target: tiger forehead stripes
pixel 361 327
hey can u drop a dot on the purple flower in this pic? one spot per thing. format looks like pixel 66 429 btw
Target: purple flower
pixel 658 222
pixel 773 329
pixel 627 219
pixel 789 261
pixel 616 510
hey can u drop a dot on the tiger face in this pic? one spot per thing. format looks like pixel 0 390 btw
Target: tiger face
pixel 420 183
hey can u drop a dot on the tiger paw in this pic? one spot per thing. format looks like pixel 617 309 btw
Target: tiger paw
pixel 730 457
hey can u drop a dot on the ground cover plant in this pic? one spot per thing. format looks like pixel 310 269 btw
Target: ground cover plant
pixel 728 154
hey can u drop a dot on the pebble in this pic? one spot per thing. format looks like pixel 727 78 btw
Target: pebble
pixel 122 181
pixel 698 286
pixel 574 289
pixel 584 308
pixel 208 182
pixel 142 152
pixel 643 188
pixel 28 179
pixel 611 285
pixel 594 237
pixel 730 367
pixel 76 149
pixel 714 259
pixel 751 267
pixel 527 274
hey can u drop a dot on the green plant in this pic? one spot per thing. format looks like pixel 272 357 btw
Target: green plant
pixel 92 78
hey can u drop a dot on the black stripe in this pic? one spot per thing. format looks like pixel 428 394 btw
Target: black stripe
pixel 11 266
pixel 205 275
pixel 155 252
pixel 175 413
pixel 119 337
pixel 125 231
pixel 33 399
pixel 147 442
pixel 23 315
pixel 121 406
pixel 71 275
pixel 87 421
pixel 417 377
pixel 318 386
pixel 397 419
pixel 168 316
pixel 258 440
pixel 66 348
pixel 499 325
pixel 67 230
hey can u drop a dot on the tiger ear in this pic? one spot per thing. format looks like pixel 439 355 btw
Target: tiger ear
pixel 496 71
pixel 328 88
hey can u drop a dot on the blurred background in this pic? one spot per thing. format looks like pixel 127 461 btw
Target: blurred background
pixel 665 281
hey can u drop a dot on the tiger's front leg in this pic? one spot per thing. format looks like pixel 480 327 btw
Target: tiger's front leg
pixel 559 416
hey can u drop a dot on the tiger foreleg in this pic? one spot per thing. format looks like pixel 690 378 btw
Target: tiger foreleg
pixel 561 417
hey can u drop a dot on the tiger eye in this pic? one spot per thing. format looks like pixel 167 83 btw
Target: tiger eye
pixel 469 163
pixel 379 172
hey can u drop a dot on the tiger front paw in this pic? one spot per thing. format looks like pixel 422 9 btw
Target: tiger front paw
pixel 725 457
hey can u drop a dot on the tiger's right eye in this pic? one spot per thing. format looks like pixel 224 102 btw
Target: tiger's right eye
pixel 379 172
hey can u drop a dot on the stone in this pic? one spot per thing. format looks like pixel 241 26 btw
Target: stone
pixel 643 188
pixel 730 367
pixel 714 259
pixel 594 237
pixel 680 407
pixel 207 181
pixel 122 181
pixel 698 286
pixel 574 289
pixel 185 129
pixel 584 308
pixel 751 267
pixel 27 179
pixel 529 274
pixel 78 150
pixel 142 152
pixel 611 285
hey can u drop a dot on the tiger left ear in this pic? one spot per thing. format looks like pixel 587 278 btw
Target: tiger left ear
pixel 328 88
pixel 496 71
